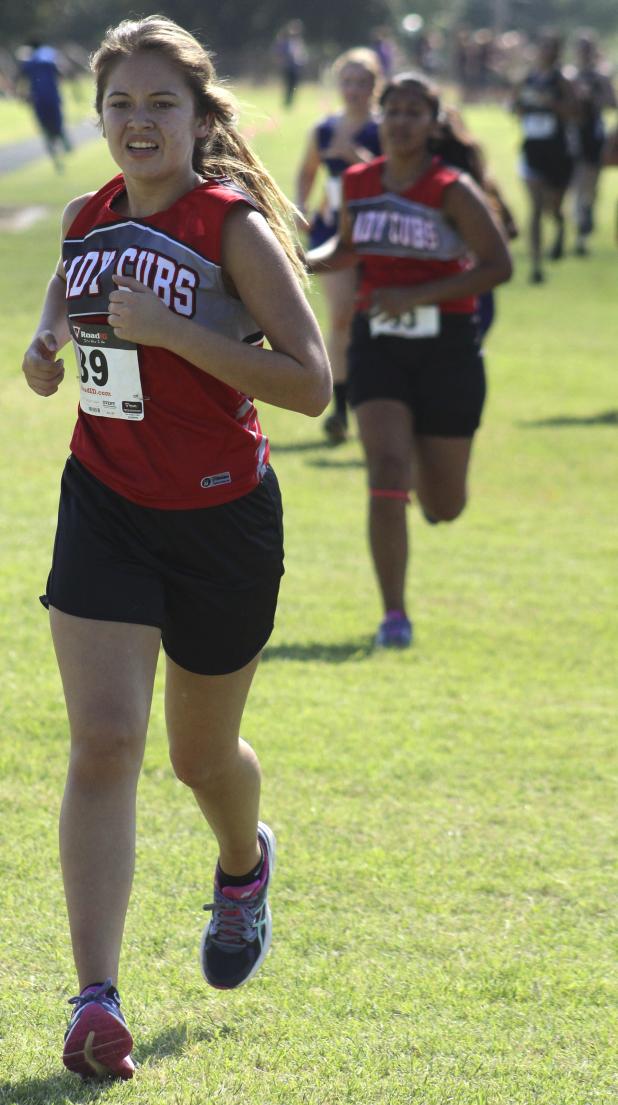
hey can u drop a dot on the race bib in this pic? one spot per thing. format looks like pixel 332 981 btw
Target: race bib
pixel 108 373
pixel 420 322
pixel 540 124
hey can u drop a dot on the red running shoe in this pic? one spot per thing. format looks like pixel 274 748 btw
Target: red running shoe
pixel 97 1043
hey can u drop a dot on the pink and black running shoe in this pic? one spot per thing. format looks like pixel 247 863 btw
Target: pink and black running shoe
pixel 235 942
pixel 97 1043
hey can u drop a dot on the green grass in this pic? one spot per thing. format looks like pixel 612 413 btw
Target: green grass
pixel 445 899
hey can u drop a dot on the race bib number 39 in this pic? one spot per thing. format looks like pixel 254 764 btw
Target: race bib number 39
pixel 108 372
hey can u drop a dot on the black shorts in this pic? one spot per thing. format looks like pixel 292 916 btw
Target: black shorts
pixel 441 379
pixel 208 578
pixel 548 161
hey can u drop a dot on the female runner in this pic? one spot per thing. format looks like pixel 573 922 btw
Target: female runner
pixel 169 526
pixel 594 93
pixel 427 246
pixel 338 141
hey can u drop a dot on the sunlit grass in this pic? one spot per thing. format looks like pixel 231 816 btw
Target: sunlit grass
pixel 445 899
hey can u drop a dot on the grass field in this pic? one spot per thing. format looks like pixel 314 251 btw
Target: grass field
pixel 445 901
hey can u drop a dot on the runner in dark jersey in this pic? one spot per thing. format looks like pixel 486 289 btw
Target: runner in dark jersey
pixel 594 94
pixel 338 141
pixel 170 524
pixel 546 105
pixel 40 72
pixel 426 246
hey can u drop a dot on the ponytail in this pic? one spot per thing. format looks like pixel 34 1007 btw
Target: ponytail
pixel 225 153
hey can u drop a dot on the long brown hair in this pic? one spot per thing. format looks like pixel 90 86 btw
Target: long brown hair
pixel 224 152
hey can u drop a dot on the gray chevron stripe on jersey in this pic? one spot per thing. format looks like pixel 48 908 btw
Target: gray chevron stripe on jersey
pixel 187 282
pixel 393 226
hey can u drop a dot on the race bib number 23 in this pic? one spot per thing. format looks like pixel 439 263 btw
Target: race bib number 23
pixel 420 322
pixel 108 372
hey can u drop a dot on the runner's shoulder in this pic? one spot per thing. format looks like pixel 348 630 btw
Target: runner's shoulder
pixel 73 209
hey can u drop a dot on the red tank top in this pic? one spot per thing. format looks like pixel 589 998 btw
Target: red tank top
pixel 199 442
pixel 404 239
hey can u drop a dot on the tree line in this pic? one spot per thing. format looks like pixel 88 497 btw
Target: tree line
pixel 247 27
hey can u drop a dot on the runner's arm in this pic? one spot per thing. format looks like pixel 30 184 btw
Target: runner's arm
pixel 294 373
pixel 466 209
pixel 337 253
pixel 44 372
pixel 307 173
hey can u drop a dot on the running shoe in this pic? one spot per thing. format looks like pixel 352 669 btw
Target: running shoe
pixel 556 252
pixel 97 1043
pixel 586 222
pixel 395 631
pixel 238 936
pixel 335 428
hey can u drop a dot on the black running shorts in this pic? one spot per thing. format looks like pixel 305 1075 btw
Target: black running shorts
pixel 208 578
pixel 549 162
pixel 441 379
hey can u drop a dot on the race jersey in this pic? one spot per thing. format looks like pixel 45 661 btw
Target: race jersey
pixel 403 238
pixel 367 137
pixel 150 425
pixel 541 123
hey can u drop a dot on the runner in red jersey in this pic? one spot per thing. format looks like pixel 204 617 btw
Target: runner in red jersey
pixel 426 245
pixel 170 524
pixel 161 455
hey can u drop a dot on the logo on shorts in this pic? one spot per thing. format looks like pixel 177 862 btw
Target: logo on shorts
pixel 215 481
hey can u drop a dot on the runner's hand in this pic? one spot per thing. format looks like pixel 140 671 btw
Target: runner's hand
pixel 44 373
pixel 136 313
pixel 394 302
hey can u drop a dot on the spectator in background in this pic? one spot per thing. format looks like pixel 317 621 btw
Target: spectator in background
pixel 482 60
pixel 461 60
pixel 40 73
pixel 383 45
pixel 594 92
pixel 292 57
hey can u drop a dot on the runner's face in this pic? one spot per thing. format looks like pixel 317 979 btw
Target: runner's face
pixel 149 118
pixel 356 85
pixel 407 123
pixel 548 52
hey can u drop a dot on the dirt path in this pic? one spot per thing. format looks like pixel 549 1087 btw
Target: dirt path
pixel 32 149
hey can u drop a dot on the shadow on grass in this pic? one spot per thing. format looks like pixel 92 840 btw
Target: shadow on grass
pixel 603 418
pixel 65 1087
pixel 172 1041
pixel 317 650
pixel 297 446
pixel 333 462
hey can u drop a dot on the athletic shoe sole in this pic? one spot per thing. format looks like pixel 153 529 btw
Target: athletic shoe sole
pixel 269 839
pixel 98 1046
